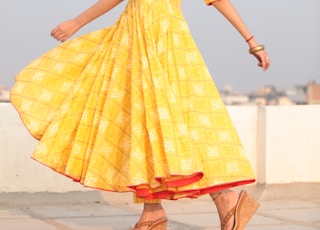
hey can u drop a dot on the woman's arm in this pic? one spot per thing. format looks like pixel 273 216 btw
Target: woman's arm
pixel 66 29
pixel 226 8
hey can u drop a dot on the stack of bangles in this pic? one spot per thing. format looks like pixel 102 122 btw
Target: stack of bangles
pixel 256 49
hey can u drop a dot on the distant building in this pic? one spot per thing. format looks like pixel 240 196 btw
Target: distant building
pixel 297 96
pixel 285 100
pixel 4 94
pixel 231 97
pixel 313 93
pixel 269 95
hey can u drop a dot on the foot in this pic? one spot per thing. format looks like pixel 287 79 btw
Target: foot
pixel 225 201
pixel 151 212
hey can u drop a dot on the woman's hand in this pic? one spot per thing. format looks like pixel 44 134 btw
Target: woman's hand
pixel 65 30
pixel 263 59
pixel 261 55
pixel 226 8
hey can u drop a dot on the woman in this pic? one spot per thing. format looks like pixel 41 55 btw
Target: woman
pixel 132 108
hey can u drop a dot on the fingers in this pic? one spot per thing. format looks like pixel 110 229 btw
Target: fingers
pixel 59 37
pixel 59 34
pixel 264 61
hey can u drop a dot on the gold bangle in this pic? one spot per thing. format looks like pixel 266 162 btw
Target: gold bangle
pixel 256 49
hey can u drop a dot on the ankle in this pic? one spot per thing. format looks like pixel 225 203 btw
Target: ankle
pixel 152 207
pixel 223 195
pixel 152 212
pixel 226 200
pixel 215 195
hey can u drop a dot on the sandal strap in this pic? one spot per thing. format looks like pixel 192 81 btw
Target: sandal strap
pixel 149 223
pixel 145 223
pixel 216 195
pixel 227 217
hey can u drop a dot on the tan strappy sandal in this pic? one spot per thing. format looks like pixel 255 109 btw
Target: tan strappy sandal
pixel 160 224
pixel 243 211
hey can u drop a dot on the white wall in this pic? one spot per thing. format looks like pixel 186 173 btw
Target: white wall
pixel 245 119
pixel 282 143
pixel 18 172
pixel 292 143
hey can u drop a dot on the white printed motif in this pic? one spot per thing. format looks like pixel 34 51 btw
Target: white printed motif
pixel 126 145
pixel 176 39
pixel 182 129
pixel 138 179
pixel 46 96
pixel 125 40
pixel 194 135
pixel 38 76
pixel 33 126
pixel 66 86
pixel 95 34
pixel 138 155
pixel 156 82
pixel 152 135
pixel 168 146
pixel 122 119
pixel 59 67
pixel 106 149
pixel 41 148
pixel 110 174
pixel 79 58
pixel 103 125
pixel 192 57
pixel 53 129
pixel 205 120
pixel 213 152
pixel 198 89
pixel 187 104
pixel 161 47
pixel 232 167
pixel 76 44
pixel 77 149
pixel 137 130
pixel 224 136
pixel 187 164
pixel 65 108
pixel 92 68
pixel 26 105
pixel 163 113
pixel 217 105
pixel 117 94
pixel 90 180
pixel 165 25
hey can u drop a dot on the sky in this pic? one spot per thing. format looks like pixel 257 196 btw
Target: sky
pixel 289 29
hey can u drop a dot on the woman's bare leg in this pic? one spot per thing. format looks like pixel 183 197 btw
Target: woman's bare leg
pixel 225 200
pixel 152 210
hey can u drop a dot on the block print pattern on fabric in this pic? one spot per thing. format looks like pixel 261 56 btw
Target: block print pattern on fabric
pixel 132 107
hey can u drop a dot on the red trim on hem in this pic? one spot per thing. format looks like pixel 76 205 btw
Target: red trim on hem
pixel 169 193
pixel 186 180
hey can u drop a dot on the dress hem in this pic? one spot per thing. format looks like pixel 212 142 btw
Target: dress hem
pixel 166 194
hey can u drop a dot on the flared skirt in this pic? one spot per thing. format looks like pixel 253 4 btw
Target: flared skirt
pixel 132 107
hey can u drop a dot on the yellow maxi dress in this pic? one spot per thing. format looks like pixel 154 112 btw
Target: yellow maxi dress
pixel 132 108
